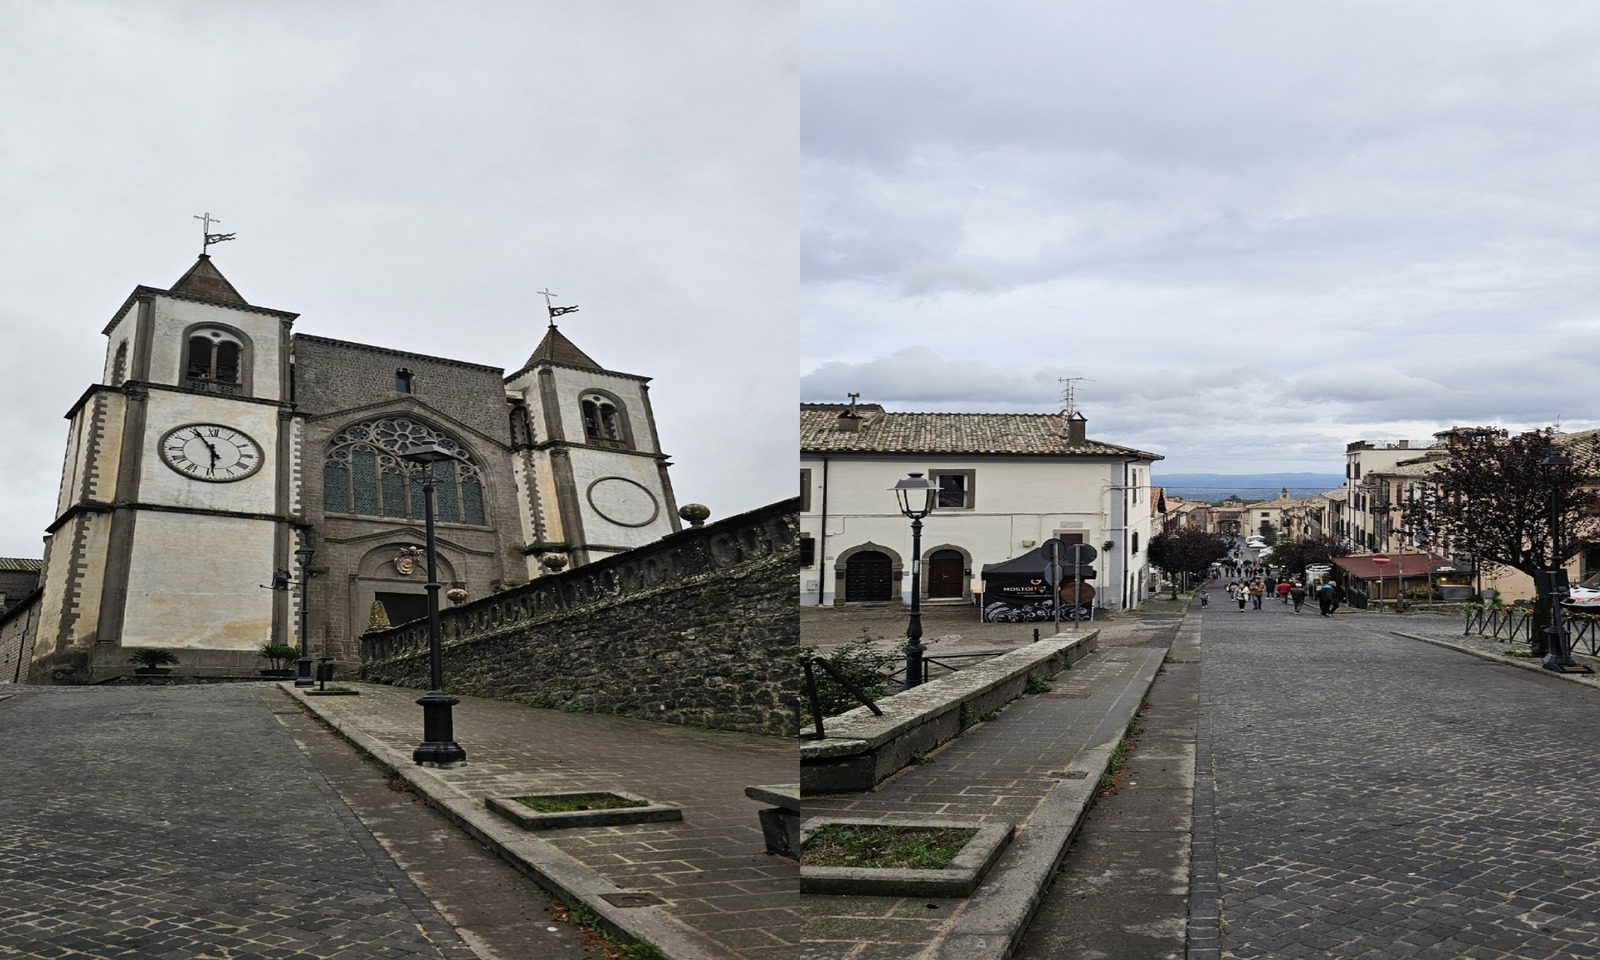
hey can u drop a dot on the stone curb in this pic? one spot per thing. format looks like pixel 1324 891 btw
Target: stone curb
pixel 958 879
pixel 538 860
pixel 987 927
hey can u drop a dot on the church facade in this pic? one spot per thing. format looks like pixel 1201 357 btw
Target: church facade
pixel 218 446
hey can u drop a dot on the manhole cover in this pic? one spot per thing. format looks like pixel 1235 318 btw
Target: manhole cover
pixel 631 899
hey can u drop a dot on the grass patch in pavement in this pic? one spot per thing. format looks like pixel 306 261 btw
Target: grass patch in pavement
pixel 884 846
pixel 568 802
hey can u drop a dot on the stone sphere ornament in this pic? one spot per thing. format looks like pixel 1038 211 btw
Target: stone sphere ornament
pixel 456 595
pixel 553 562
pixel 695 513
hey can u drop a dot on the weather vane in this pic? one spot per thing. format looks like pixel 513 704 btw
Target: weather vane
pixel 554 311
pixel 210 238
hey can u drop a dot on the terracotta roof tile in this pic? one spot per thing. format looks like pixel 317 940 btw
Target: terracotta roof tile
pixel 947 433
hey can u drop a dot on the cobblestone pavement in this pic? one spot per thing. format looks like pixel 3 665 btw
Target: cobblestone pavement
pixel 1372 796
pixel 718 887
pixel 183 822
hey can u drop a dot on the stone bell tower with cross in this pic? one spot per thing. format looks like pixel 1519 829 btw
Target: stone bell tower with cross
pixel 591 475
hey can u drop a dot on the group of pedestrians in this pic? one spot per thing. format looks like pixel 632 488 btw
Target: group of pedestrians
pixel 1250 593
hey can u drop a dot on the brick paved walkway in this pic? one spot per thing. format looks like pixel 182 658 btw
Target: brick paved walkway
pixel 183 822
pixel 1018 768
pixel 1378 797
pixel 723 895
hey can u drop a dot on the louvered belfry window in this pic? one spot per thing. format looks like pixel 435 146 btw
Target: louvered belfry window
pixel 364 475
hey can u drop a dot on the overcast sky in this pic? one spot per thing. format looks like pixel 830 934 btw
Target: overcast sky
pixel 1260 230
pixel 407 174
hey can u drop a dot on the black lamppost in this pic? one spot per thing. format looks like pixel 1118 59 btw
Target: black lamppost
pixel 438 744
pixel 303 554
pixel 1556 469
pixel 917 496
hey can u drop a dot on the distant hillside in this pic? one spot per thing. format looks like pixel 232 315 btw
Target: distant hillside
pixel 1249 486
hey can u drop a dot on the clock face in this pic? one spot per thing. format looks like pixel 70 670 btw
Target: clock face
pixel 211 452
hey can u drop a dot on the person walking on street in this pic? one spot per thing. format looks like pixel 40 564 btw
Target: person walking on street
pixel 1297 594
pixel 1328 598
pixel 1242 594
pixel 1258 589
pixel 1283 590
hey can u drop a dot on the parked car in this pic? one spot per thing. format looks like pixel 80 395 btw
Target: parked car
pixel 1585 595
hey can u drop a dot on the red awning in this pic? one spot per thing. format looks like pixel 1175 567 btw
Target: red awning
pixel 1416 564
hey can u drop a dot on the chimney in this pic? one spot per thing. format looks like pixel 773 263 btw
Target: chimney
pixel 1076 429
pixel 849 421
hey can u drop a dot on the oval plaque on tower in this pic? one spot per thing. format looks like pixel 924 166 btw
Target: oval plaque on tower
pixel 626 503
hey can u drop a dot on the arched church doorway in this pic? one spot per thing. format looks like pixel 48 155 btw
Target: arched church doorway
pixel 946 573
pixel 868 575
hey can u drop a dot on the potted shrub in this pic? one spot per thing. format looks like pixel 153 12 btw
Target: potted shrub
pixel 278 656
pixel 153 661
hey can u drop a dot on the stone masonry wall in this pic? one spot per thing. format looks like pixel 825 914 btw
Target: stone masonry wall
pixel 18 625
pixel 699 628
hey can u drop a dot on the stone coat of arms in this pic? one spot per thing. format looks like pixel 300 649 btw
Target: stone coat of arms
pixel 408 559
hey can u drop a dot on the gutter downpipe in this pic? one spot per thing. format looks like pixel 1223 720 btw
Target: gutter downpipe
pixel 822 539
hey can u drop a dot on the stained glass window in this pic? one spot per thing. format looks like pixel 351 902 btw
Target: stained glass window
pixel 364 481
pixel 335 488
pixel 365 475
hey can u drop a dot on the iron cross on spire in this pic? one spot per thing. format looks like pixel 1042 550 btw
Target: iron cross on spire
pixel 206 221
pixel 554 311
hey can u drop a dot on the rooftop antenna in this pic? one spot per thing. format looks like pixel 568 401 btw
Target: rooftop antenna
pixel 1069 399
pixel 205 226
pixel 554 311
pixel 853 398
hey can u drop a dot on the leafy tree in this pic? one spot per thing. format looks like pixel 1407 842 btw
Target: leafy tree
pixel 1292 557
pixel 1491 498
pixel 1189 550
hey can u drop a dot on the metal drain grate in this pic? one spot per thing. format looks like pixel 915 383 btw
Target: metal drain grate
pixel 1068 774
pixel 631 899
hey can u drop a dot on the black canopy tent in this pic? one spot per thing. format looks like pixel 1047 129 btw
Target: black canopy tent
pixel 1016 590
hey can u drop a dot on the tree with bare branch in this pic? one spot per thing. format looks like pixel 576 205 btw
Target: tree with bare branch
pixel 1491 497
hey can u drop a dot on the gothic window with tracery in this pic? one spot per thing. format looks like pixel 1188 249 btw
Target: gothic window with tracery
pixel 363 473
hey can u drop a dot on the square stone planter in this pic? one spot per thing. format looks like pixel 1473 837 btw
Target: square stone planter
pixel 958 879
pixel 529 819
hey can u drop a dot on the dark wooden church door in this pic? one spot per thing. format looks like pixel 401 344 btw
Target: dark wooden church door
pixel 868 575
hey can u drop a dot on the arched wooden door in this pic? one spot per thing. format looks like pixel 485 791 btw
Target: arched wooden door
pixel 945 574
pixel 868 575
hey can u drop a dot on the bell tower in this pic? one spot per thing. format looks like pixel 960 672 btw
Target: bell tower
pixel 175 498
pixel 592 480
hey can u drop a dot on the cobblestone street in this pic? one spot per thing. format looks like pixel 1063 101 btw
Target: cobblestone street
pixel 1379 797
pixel 183 822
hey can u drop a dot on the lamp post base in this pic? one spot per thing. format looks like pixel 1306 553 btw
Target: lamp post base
pixel 438 746
pixel 303 673
pixel 1566 665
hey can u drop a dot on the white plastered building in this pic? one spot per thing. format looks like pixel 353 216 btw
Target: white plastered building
pixel 1007 482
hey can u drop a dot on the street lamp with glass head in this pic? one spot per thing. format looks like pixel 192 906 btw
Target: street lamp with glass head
pixel 438 745
pixel 303 554
pixel 1557 468
pixel 917 497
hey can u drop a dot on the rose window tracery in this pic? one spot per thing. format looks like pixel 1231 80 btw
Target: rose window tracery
pixel 363 473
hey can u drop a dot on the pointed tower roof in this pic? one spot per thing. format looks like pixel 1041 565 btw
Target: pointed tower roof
pixel 555 348
pixel 205 282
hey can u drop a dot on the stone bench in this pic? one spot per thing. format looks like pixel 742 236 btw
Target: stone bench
pixel 780 823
